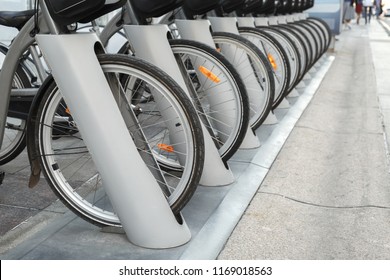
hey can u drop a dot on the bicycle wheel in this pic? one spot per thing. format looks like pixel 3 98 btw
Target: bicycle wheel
pixel 220 94
pixel 298 49
pixel 308 39
pixel 326 29
pixel 276 56
pixel 165 129
pixel 319 34
pixel 255 71
pixel 14 140
pixel 303 46
pixel 315 37
pixel 291 52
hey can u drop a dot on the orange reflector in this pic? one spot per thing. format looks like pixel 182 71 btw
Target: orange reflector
pixel 165 147
pixel 219 50
pixel 210 75
pixel 67 111
pixel 272 61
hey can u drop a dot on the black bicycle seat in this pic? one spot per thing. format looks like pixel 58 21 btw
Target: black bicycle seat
pixel 241 7
pixel 298 6
pixel 267 7
pixel 284 6
pixel 199 7
pixel 108 7
pixel 154 8
pixel 15 19
pixel 65 12
pixel 307 4
pixel 252 5
pixel 229 6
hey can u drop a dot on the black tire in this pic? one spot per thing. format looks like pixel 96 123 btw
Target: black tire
pixel 291 49
pixel 320 34
pixel 309 40
pixel 62 151
pixel 300 47
pixel 277 57
pixel 326 29
pixel 317 38
pixel 234 116
pixel 305 43
pixel 260 69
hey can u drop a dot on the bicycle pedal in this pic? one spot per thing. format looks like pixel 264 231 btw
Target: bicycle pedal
pixel 2 175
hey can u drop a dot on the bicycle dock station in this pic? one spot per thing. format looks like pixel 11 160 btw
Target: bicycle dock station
pixel 211 215
pixel 148 220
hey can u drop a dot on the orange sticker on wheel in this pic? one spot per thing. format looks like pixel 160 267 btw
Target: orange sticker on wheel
pixel 272 61
pixel 166 148
pixel 210 75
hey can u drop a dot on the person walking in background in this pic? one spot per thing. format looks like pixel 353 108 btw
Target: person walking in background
pixel 367 10
pixel 358 9
pixel 348 13
pixel 378 8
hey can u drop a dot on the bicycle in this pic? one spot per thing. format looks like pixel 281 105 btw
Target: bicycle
pixel 250 61
pixel 274 51
pixel 213 82
pixel 255 72
pixel 218 97
pixel 310 37
pixel 164 130
pixel 304 40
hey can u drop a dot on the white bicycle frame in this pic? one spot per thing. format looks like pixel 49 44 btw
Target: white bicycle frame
pixel 78 74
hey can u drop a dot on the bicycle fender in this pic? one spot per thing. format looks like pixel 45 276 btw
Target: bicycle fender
pixel 30 134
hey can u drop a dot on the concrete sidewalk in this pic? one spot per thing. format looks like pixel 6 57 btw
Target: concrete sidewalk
pixel 325 196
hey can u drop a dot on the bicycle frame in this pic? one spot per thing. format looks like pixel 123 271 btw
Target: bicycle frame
pixel 22 42
pixel 77 72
